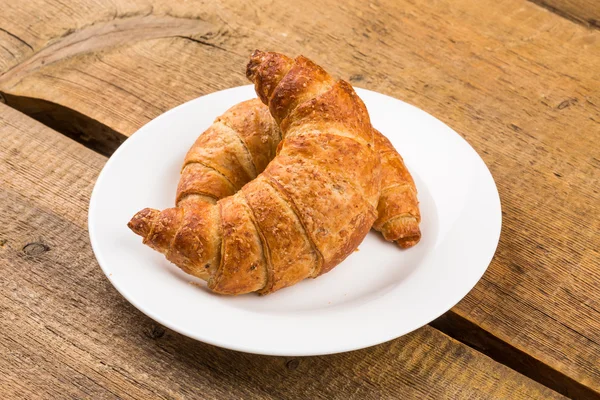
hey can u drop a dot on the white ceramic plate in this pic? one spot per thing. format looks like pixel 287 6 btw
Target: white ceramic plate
pixel 377 294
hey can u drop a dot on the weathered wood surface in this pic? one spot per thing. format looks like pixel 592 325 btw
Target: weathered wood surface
pixel 67 333
pixel 520 83
pixel 586 12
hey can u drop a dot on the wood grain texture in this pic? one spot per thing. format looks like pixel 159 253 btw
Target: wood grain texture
pixel 458 327
pixel 100 35
pixel 67 333
pixel 521 84
pixel 586 12
pixel 31 28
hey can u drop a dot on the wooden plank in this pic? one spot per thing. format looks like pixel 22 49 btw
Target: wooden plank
pixel 67 332
pixel 30 30
pixel 524 90
pixel 586 12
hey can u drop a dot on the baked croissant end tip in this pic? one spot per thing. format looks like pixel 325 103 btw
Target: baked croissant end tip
pixel 412 233
pixel 142 221
pixel 408 242
pixel 256 59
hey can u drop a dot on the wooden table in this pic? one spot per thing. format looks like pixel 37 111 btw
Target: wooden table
pixel 519 80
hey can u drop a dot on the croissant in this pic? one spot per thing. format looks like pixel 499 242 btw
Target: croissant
pixel 242 141
pixel 398 208
pixel 305 213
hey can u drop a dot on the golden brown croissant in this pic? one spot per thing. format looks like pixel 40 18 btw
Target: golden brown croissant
pixel 230 153
pixel 218 164
pixel 307 211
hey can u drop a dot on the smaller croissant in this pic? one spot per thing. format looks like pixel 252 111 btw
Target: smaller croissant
pixel 398 215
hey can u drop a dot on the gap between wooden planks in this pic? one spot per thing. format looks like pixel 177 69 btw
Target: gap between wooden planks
pixel 520 83
pixel 67 332
pixel 586 12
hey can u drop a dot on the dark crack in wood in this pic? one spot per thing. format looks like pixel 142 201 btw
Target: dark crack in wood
pixel 12 35
pixel 578 18
pixel 79 127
